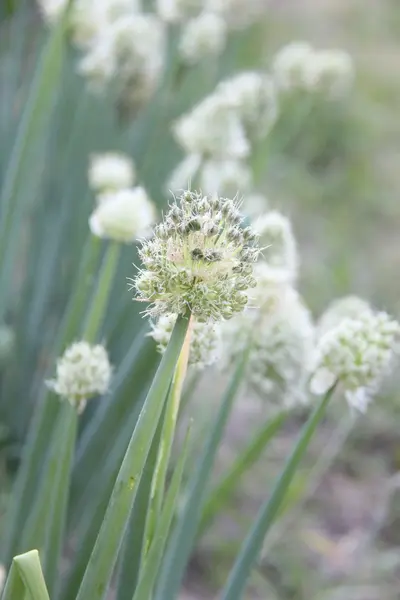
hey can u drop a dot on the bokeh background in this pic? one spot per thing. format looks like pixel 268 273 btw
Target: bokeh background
pixel 336 175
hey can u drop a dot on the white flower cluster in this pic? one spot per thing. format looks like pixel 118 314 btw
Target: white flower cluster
pixel 279 249
pixel 120 44
pixel 281 337
pixel 82 372
pixel 123 213
pixel 298 66
pixel 217 134
pixel 357 353
pixel 204 340
pixel 348 307
pixel 202 37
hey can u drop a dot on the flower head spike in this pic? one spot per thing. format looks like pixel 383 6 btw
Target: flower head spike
pixel 204 340
pixel 110 172
pixel 357 353
pixel 199 258
pixel 123 216
pixel 278 244
pixel 82 372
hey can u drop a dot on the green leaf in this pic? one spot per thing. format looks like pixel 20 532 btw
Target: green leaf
pixel 44 528
pixel 102 560
pixel 252 545
pixel 135 541
pixel 219 496
pixel 94 319
pixel 31 131
pixel 26 575
pixel 183 537
pixel 149 572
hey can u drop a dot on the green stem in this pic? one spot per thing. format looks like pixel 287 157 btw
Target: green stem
pixel 103 557
pixel 226 487
pixel 183 537
pixel 94 319
pixel 252 545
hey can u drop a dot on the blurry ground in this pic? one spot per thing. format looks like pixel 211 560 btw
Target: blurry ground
pixel 344 543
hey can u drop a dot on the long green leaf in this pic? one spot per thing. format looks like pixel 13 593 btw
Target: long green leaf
pixel 252 545
pixel 45 524
pixel 183 537
pixel 153 559
pixel 29 138
pixel 102 560
pixel 135 541
pixel 218 496
pixel 26 576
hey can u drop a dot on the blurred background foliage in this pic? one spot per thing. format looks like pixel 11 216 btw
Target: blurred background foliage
pixel 334 169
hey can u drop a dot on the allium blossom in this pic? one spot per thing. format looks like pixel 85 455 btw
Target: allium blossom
pixel 357 353
pixel 199 258
pixel 123 216
pixel 254 97
pixel 348 307
pixel 177 11
pixel 202 37
pixel 204 340
pixel 213 129
pixel 281 337
pixel 289 65
pixel 110 172
pixel 83 371
pixel 278 244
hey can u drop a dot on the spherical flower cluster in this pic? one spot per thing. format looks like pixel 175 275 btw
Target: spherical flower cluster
pixel 177 11
pixel 82 372
pixel 348 307
pixel 110 172
pixel 202 37
pixel 123 216
pixel 199 258
pixel 357 353
pixel 121 45
pixel 281 337
pixel 204 340
pixel 298 66
pixel 279 250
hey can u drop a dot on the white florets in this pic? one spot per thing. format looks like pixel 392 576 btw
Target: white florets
pixel 204 340
pixel 279 249
pixel 177 11
pixel 82 372
pixel 199 258
pixel 110 172
pixel 298 66
pixel 212 128
pixel 202 37
pixel 357 353
pixel 348 307
pixel 254 97
pixel 123 216
pixel 281 337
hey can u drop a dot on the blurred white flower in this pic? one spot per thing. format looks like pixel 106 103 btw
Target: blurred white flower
pixel 279 250
pixel 330 72
pixel 289 65
pixel 185 174
pixel 254 96
pixel 176 11
pixel 123 216
pixel 357 353
pixel 212 128
pixel 98 65
pixel 255 204
pixel 202 37
pixel 110 172
pixel 228 177
pixel 204 340
pixel 281 334
pixel 52 10
pixel 83 371
pixel 238 13
pixel 338 310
